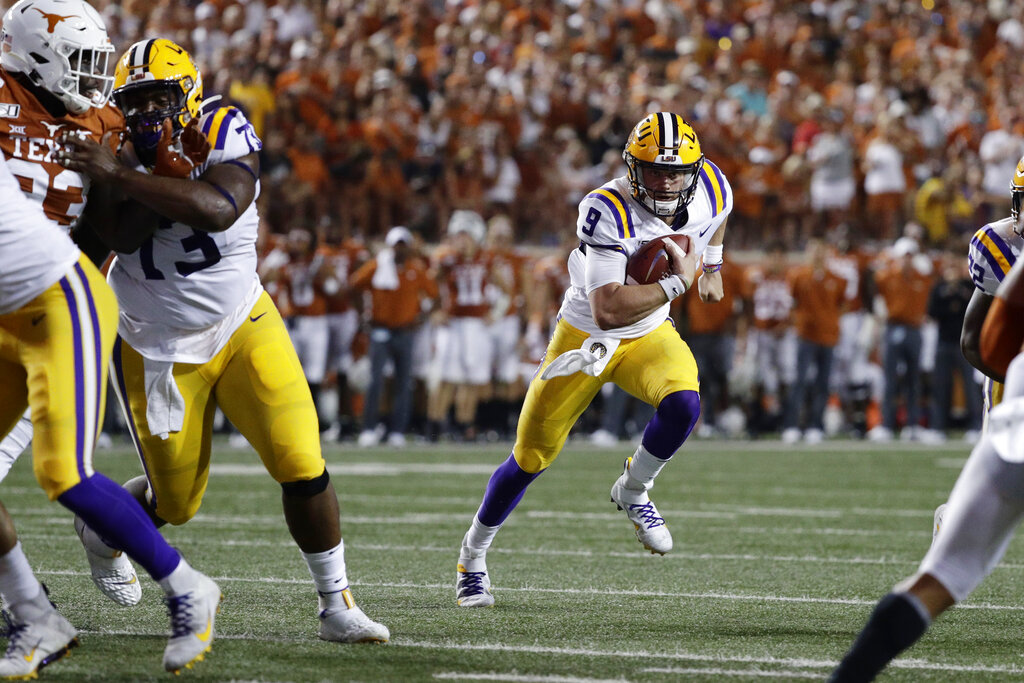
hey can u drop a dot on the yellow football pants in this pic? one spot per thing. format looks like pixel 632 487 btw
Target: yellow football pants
pixel 53 358
pixel 257 381
pixel 649 367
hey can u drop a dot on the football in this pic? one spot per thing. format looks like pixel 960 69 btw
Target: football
pixel 650 262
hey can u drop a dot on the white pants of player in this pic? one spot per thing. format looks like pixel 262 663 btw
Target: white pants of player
pixel 984 509
pixel 829 195
pixel 15 443
pixel 463 352
pixel 774 358
pixel 310 335
pixel 341 330
pixel 505 334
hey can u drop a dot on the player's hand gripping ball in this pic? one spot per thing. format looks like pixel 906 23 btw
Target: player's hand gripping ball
pixel 651 262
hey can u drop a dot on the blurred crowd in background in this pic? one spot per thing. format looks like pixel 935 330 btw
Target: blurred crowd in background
pixel 856 121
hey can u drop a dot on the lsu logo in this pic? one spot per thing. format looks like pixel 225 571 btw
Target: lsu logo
pixel 9 111
pixel 599 350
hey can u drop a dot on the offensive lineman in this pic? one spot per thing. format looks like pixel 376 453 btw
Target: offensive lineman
pixel 669 187
pixel 196 326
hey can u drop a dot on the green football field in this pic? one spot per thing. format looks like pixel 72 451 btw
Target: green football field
pixel 780 554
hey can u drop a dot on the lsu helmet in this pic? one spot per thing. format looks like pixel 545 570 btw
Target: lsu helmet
pixel 160 70
pixel 1017 196
pixel 62 47
pixel 663 141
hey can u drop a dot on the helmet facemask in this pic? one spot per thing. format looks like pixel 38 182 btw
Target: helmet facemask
pixel 664 189
pixel 1016 200
pixel 145 107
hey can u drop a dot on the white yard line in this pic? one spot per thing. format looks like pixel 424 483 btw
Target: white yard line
pixel 514 677
pixel 799 663
pixel 751 673
pixel 631 592
pixel 674 556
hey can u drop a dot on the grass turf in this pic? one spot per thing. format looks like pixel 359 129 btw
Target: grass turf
pixel 780 554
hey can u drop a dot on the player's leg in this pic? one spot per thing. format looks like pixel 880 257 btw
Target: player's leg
pixel 657 368
pixel 985 507
pixel 176 466
pixel 15 443
pixel 65 358
pixel 550 410
pixel 262 390
pixel 34 617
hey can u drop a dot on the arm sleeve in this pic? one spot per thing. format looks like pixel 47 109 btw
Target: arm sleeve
pixel 603 267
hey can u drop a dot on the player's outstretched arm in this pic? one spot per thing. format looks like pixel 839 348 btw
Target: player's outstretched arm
pixel 710 286
pixel 970 335
pixel 616 305
pixel 212 202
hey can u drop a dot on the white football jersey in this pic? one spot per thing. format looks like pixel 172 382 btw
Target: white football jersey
pixel 611 219
pixel 993 251
pixel 185 291
pixel 34 252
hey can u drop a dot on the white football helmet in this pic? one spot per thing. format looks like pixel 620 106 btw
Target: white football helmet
pixel 62 46
pixel 469 222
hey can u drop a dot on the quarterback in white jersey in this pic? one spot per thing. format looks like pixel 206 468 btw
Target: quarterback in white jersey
pixel 611 330
pixel 196 327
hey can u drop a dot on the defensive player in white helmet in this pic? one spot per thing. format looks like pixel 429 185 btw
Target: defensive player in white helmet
pixel 196 327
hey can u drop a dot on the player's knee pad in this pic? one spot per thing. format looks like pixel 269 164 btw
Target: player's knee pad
pixel 306 488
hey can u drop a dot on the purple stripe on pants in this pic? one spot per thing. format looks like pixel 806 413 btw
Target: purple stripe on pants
pixel 76 331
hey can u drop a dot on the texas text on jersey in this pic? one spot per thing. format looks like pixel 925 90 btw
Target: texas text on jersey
pixel 28 135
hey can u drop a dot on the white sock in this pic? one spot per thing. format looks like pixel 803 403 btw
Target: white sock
pixel 478 539
pixel 181 580
pixel 643 468
pixel 330 578
pixel 17 582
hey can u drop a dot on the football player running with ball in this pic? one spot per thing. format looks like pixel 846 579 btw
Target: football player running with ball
pixel 611 331
pixel 196 327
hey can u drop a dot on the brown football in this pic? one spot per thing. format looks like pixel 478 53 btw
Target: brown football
pixel 650 262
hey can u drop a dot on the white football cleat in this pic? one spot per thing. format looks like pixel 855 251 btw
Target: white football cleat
pixel 192 616
pixel 351 625
pixel 472 584
pixel 115 575
pixel 649 524
pixel 35 644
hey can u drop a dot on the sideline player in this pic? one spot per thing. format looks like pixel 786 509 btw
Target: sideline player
pixel 57 322
pixel 669 187
pixel 196 327
pixel 984 509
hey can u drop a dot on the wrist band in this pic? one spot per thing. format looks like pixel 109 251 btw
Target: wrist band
pixel 711 269
pixel 673 286
pixel 712 255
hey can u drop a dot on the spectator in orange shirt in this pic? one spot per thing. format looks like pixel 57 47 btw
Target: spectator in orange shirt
pixel 819 298
pixel 904 287
pixel 711 336
pixel 398 282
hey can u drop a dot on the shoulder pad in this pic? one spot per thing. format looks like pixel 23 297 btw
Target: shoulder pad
pixel 230 134
pixel 717 187
pixel 605 219
pixel 989 259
